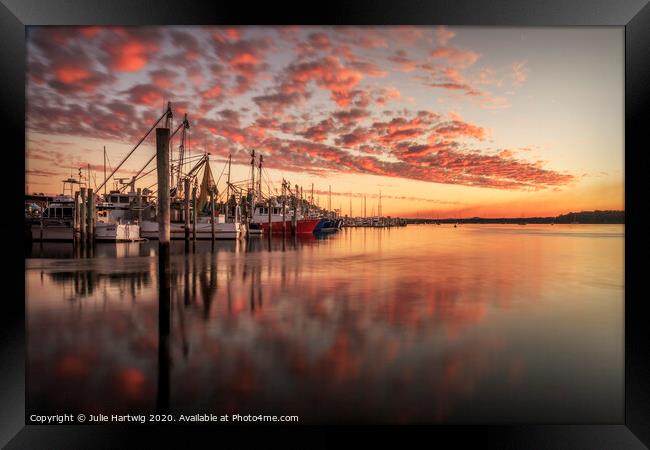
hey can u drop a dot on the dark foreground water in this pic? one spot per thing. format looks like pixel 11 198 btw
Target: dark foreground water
pixel 481 323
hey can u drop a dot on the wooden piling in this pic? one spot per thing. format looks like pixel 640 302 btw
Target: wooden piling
pixel 82 216
pixel 164 282
pixel 212 206
pixel 284 210
pixel 162 166
pixel 187 210
pixel 270 218
pixel 294 219
pixel 75 224
pixel 90 232
pixel 194 214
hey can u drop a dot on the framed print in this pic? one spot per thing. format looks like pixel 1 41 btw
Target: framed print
pixel 267 223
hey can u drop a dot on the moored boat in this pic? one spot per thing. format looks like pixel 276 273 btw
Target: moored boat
pixel 107 229
pixel 57 221
pixel 116 232
pixel 303 225
pixel 222 229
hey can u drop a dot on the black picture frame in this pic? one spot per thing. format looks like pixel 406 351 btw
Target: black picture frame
pixel 634 15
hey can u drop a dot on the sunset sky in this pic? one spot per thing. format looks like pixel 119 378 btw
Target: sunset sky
pixel 444 121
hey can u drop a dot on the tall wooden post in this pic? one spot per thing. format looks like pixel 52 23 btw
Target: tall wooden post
pixel 270 218
pixel 82 216
pixel 93 215
pixel 212 206
pixel 89 217
pixel 75 226
pixel 162 166
pixel 294 219
pixel 194 214
pixel 164 284
pixel 187 210
pixel 284 210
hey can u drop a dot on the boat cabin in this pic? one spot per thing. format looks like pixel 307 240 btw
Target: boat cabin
pixel 60 208
pixel 264 210
pixel 117 200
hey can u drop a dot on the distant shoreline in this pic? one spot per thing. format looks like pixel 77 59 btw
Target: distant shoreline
pixel 583 217
pixel 540 221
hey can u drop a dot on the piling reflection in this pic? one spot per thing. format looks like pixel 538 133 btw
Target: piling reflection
pixel 366 325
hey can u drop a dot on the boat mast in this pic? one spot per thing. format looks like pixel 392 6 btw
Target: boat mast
pixel 379 205
pixel 329 202
pixel 104 170
pixel 259 178
pixel 253 186
pixel 253 173
pixel 228 184
pixel 365 206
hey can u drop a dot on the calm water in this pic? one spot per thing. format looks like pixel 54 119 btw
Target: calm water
pixel 481 323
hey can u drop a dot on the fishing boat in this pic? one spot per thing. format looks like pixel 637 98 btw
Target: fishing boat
pixel 328 226
pixel 222 229
pixel 261 219
pixel 109 229
pixel 116 219
pixel 226 226
pixel 319 226
pixel 57 221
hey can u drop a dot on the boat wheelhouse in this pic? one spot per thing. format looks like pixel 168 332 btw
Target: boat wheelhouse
pixel 261 218
pixel 57 221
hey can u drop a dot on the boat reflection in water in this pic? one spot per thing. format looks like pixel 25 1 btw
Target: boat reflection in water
pixel 416 324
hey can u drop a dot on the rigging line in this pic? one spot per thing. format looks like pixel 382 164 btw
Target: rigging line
pixel 271 189
pixel 269 180
pixel 269 186
pixel 189 146
pixel 139 176
pixel 154 155
pixel 136 146
pixel 191 159
pixel 145 174
pixel 109 162
pixel 222 172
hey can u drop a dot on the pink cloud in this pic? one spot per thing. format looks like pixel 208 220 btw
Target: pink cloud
pixel 130 50
pixel 455 56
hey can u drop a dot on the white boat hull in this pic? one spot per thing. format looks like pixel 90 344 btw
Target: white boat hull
pixel 117 232
pixel 149 230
